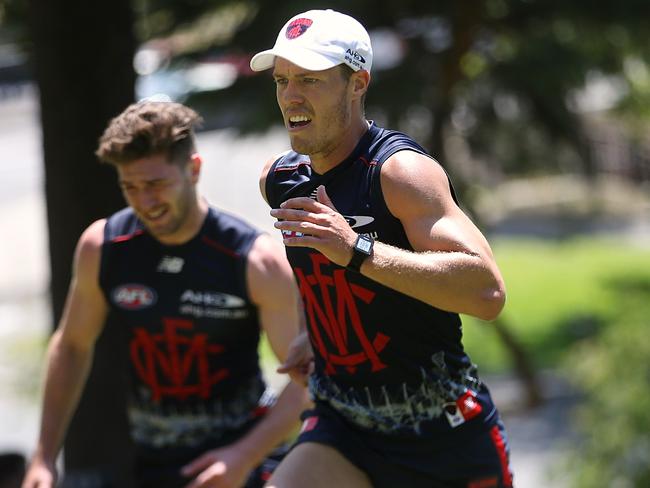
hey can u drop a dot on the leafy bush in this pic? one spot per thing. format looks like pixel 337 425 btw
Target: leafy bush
pixel 559 293
pixel 613 370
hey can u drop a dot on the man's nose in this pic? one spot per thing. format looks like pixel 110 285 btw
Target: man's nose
pixel 292 93
pixel 145 198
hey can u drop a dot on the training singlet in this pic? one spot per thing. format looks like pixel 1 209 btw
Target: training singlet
pixel 191 328
pixel 384 361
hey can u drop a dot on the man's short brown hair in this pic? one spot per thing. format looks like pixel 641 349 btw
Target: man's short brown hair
pixel 150 128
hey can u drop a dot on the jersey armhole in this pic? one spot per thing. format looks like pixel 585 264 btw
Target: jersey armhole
pixel 103 259
pixel 376 189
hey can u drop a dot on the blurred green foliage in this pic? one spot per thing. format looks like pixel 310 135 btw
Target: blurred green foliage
pixel 558 293
pixel 582 306
pixel 512 79
pixel 613 370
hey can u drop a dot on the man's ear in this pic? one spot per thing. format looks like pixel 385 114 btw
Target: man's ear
pixel 195 166
pixel 360 82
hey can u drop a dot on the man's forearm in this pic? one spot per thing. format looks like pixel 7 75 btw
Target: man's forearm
pixel 453 281
pixel 65 378
pixel 277 425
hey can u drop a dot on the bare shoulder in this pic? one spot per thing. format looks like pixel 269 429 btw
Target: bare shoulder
pixel 265 171
pixel 89 249
pixel 266 254
pixel 86 306
pixel 412 181
pixel 269 272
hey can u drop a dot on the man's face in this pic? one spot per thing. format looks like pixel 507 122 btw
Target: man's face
pixel 162 194
pixel 316 107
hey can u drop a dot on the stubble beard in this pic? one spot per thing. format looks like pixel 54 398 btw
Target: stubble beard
pixel 179 214
pixel 322 143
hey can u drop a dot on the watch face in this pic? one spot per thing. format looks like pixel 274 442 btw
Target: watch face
pixel 364 244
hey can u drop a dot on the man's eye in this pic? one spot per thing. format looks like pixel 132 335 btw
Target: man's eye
pixel 280 81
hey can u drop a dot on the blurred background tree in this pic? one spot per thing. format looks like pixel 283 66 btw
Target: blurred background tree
pixel 494 89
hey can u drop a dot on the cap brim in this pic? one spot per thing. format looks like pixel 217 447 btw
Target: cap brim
pixel 304 58
pixel 263 60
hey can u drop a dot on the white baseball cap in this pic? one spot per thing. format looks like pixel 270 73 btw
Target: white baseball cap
pixel 317 40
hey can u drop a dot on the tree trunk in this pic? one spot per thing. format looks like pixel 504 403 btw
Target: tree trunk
pixel 83 55
pixel 466 21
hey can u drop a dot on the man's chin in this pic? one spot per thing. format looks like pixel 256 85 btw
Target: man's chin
pixel 300 146
pixel 158 230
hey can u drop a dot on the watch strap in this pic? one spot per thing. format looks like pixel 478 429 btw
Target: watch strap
pixel 360 253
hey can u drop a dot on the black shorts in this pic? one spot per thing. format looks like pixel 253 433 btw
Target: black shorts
pixel 467 457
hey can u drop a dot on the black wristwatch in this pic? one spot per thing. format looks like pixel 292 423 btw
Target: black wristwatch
pixel 361 250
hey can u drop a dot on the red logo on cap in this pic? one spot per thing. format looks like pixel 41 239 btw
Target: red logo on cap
pixel 298 27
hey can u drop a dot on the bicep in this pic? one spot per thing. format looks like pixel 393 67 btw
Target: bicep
pixel 417 192
pixel 273 289
pixel 85 308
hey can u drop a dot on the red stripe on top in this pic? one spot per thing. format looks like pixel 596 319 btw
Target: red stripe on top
pixel 219 247
pixel 365 161
pixel 127 237
pixel 500 445
pixel 295 166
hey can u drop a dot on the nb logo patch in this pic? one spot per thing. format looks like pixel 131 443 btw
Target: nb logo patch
pixel 170 264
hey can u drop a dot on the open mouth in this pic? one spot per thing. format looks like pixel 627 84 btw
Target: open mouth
pixel 296 121
pixel 156 214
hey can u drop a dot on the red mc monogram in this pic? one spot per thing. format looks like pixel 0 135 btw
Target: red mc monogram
pixel 333 316
pixel 164 361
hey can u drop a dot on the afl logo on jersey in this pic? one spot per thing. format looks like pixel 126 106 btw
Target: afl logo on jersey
pixel 133 296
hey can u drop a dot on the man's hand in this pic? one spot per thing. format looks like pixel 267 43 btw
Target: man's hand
pixel 225 467
pixel 300 360
pixel 40 475
pixel 324 228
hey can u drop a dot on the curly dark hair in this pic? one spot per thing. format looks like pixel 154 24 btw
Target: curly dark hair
pixel 150 128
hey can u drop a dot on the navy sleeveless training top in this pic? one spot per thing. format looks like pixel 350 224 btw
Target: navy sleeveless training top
pixel 384 360
pixel 192 329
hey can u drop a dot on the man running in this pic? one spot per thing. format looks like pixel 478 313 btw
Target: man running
pixel 191 288
pixel 385 261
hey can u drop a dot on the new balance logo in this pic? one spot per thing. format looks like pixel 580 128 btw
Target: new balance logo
pixel 170 264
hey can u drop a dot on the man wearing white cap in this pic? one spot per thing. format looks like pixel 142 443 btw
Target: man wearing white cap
pixel 385 261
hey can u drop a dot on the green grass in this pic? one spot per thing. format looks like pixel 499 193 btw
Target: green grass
pixel 558 293
pixel 267 357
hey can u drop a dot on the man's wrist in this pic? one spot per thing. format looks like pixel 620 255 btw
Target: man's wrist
pixel 362 250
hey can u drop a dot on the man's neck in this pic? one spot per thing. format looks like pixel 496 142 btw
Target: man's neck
pixel 190 227
pixel 321 163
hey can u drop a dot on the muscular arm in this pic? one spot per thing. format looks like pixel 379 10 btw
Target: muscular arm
pixel 452 266
pixel 69 355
